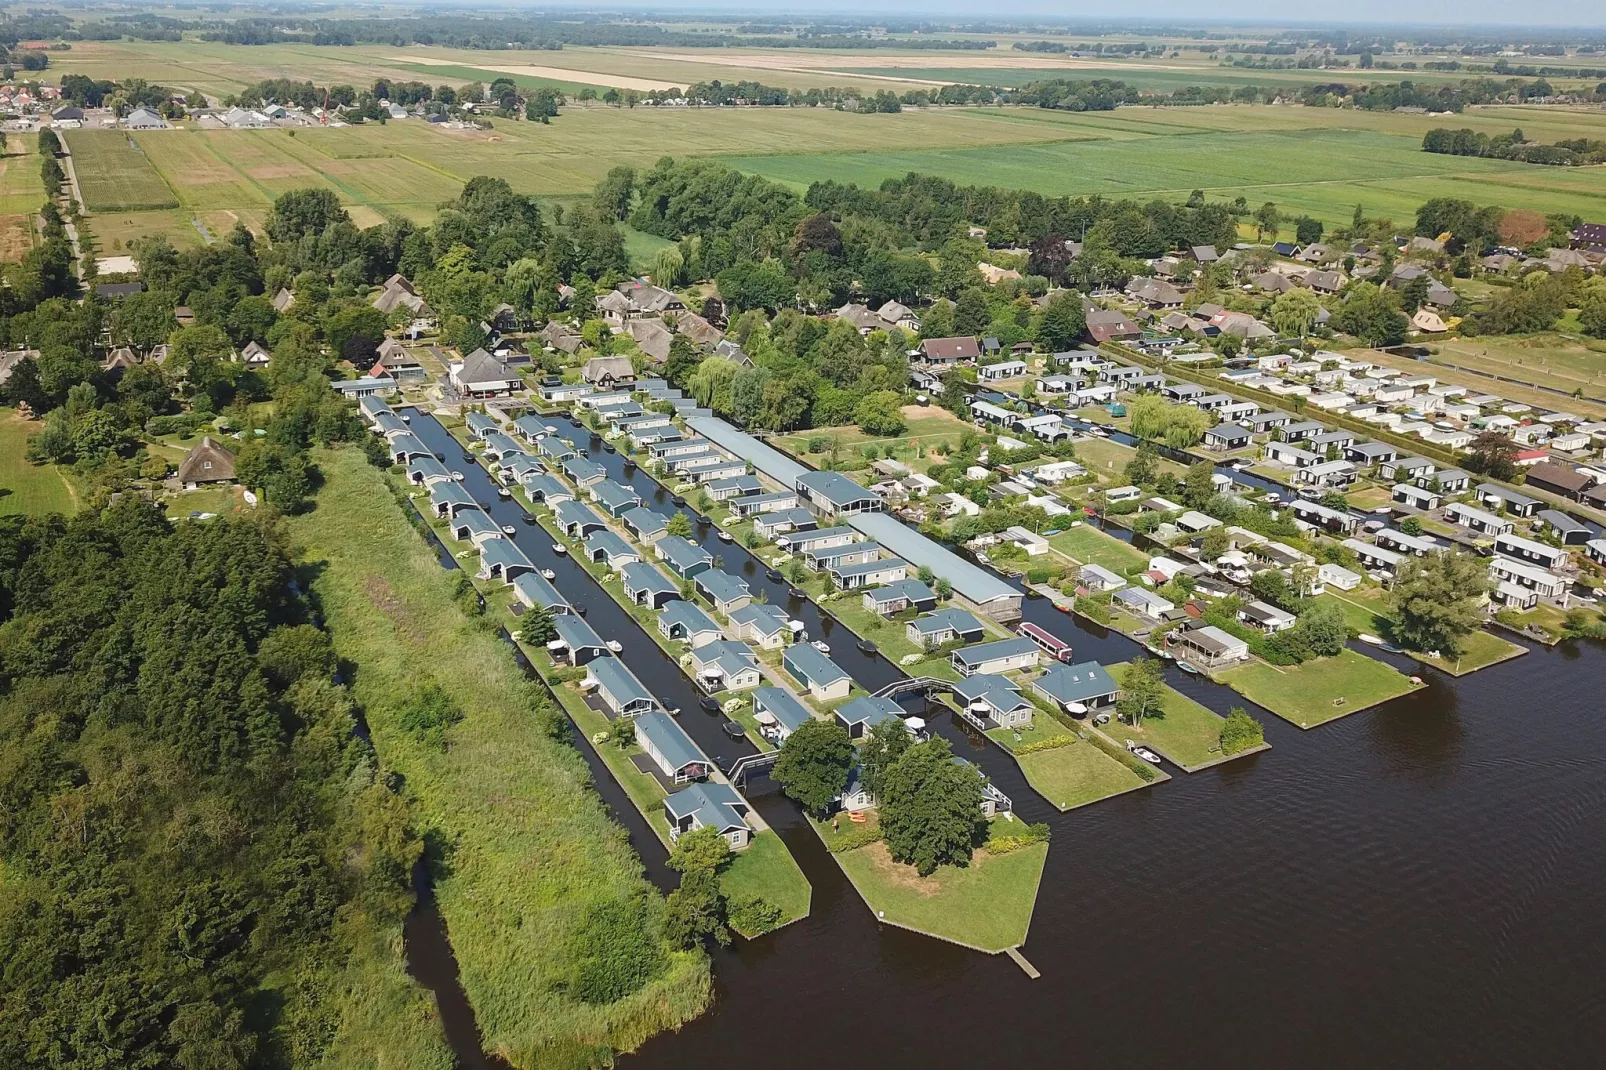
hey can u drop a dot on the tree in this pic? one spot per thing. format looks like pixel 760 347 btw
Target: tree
pixel 1270 585
pixel 679 524
pixel 930 808
pixel 1294 312
pixel 971 314
pixel 1308 230
pixel 1143 468
pixel 354 332
pixel 695 911
pixel 1142 691
pixel 1493 454
pixel 880 413
pixel 1592 309
pixel 885 744
pixel 701 848
pixel 1061 323
pixel 819 234
pixel 814 765
pixel 1372 314
pixel 1216 542
pixel 1322 628
pixel 1240 732
pixel 302 212
pixel 1267 220
pixel 538 629
pixel 1438 601
pixel 1198 485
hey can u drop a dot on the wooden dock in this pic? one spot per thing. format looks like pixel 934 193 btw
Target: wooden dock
pixel 1020 960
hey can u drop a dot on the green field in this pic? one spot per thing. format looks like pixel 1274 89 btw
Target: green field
pixel 26 488
pixel 1321 171
pixel 503 795
pixel 987 905
pixel 1090 546
pixel 766 869
pixel 1368 611
pixel 1185 732
pixel 1320 690
pixel 116 175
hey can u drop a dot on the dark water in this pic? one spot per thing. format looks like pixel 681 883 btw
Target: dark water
pixel 1415 884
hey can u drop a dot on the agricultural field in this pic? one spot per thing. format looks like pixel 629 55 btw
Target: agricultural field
pixel 115 174
pixel 26 488
pixel 1549 365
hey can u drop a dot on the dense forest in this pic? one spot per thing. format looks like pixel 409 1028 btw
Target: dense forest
pixel 196 840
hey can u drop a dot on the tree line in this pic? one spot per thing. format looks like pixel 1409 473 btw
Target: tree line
pixel 1513 146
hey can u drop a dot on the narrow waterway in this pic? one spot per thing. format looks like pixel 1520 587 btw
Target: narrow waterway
pixel 1417 883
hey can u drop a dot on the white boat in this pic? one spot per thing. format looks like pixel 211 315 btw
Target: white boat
pixel 509 529
pixel 558 549
pixel 725 536
pixel 821 645
pixel 548 574
pixel 1367 637
pixel 1143 752
pixel 615 645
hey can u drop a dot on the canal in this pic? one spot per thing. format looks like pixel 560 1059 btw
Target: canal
pixel 1418 883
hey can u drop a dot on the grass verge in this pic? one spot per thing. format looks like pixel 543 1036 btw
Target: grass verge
pixel 1185 733
pixel 27 488
pixel 529 855
pixel 1074 774
pixel 1320 690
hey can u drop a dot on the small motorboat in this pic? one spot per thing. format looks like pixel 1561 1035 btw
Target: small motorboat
pixel 1392 649
pixel 1063 607
pixel 509 529
pixel 734 730
pixel 615 645
pixel 678 501
pixel 821 645
pixel 793 592
pixel 467 456
pixel 548 574
pixel 504 492
pixel 458 476
pixel 1185 667
pixel 1143 752
pixel 725 536
pixel 1368 637
pixel 709 705
pixel 773 575
pixel 581 609
pixel 608 447
pixel 559 549
pixel 866 647
pixel 528 518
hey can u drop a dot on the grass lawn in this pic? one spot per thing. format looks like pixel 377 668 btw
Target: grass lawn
pixel 1088 545
pixel 766 869
pixel 1069 776
pixel 987 905
pixel 219 500
pixel 1320 690
pixel 1368 497
pixel 1367 610
pixel 27 488
pixel 927 425
pixel 505 794
pixel 1186 732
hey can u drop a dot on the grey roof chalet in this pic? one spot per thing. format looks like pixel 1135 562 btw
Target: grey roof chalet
pixel 504 556
pixel 746 484
pixel 425 467
pixel 615 676
pixel 642 578
pixel 709 804
pixel 667 738
pixel 1510 497
pixel 583 470
pixel 911 589
pixel 610 544
pixel 721 587
pixel 554 449
pixel 970 581
pixel 959 621
pixel 549 489
pixel 869 711
pixel 783 706
pixel 644 522
pixel 768 619
pixel 534 589
pixel 577 635
pixel 1076 683
pixel 614 498
pixel 688 618
pixel 573 514
pixel 812 667
pixel 682 555
pixel 1000 648
pixel 835 488
pixel 450 496
pixel 475 524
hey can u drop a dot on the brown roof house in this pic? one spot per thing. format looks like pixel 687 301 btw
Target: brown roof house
pixel 397 293
pixel 284 300
pixel 652 337
pixel 1105 326
pixel 1568 482
pixel 950 350
pixel 561 336
pixel 699 330
pixel 207 462
pixel 609 372
pixel 1428 321
pixel 255 354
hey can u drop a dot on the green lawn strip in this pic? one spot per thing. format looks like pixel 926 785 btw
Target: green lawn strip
pixel 503 794
pixel 1090 546
pixel 766 869
pixel 986 906
pixel 1186 733
pixel 1367 611
pixel 27 488
pixel 1074 775
pixel 1320 690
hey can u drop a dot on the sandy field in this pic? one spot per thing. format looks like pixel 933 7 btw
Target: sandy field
pixel 561 74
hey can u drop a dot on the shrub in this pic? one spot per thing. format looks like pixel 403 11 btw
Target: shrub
pixel 428 713
pixel 1092 609
pixel 616 952
pixel 1051 743
pixel 1020 835
pixel 854 838
pixel 1241 732
pixel 753 916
